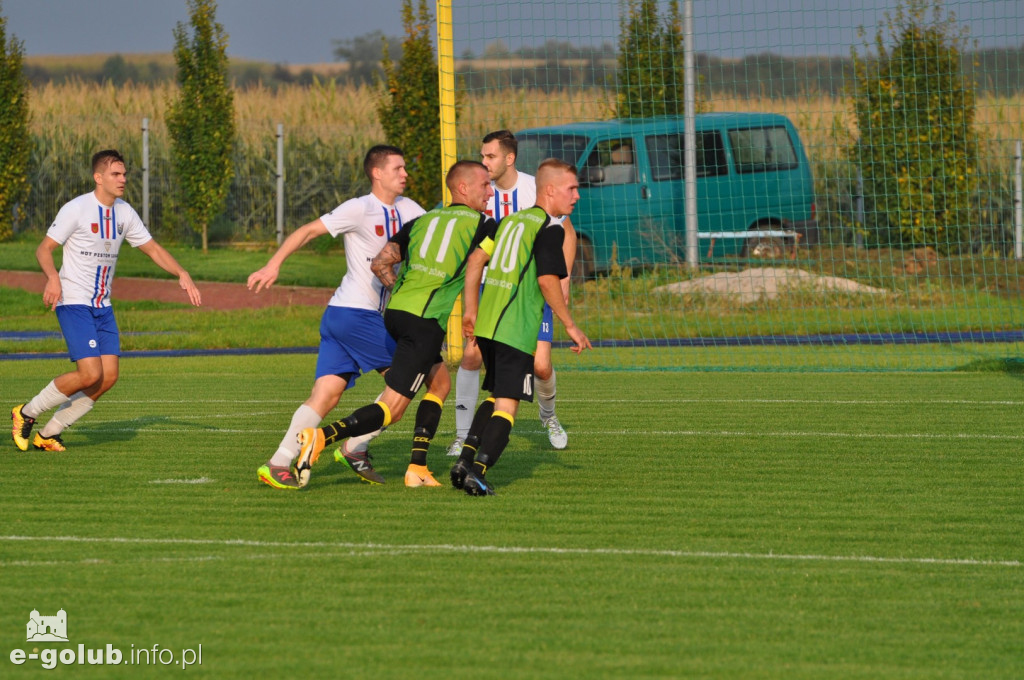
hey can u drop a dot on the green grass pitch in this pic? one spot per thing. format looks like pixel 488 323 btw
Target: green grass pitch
pixel 719 525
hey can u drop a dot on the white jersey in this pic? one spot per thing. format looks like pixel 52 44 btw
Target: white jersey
pixel 91 234
pixel 367 224
pixel 507 201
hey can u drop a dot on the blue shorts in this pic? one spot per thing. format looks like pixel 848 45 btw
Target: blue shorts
pixel 89 331
pixel 352 342
pixel 547 325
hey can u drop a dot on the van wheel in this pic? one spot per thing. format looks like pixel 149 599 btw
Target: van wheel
pixel 766 248
pixel 583 266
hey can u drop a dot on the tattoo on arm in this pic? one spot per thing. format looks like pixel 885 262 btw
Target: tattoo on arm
pixel 383 265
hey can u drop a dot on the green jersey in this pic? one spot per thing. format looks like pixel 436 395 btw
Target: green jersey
pixel 527 245
pixel 434 249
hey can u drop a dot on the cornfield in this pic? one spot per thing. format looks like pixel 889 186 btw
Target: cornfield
pixel 328 127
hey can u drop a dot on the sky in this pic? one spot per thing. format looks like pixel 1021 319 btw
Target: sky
pixel 303 31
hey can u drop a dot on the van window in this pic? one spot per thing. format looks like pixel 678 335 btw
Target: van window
pixel 617 161
pixel 535 148
pixel 762 149
pixel 666 153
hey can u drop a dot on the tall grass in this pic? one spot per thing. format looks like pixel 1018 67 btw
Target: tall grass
pixel 327 128
pixel 345 114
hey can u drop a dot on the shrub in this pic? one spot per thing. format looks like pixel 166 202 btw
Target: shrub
pixel 917 150
pixel 15 142
pixel 409 104
pixel 201 120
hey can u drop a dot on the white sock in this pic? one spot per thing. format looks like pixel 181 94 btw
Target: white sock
pixel 545 390
pixel 44 401
pixel 362 442
pixel 467 391
pixel 68 414
pixel 288 449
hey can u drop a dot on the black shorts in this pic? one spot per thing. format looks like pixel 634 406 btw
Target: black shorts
pixel 418 344
pixel 509 370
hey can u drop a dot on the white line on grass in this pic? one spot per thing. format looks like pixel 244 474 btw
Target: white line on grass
pixel 448 548
pixel 674 400
pixel 198 480
pixel 258 557
pixel 957 436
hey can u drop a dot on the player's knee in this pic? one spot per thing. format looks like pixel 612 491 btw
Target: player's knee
pixel 90 375
pixel 108 380
pixel 542 371
pixel 472 360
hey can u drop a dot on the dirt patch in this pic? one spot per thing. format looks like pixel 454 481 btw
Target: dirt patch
pixel 766 283
pixel 223 296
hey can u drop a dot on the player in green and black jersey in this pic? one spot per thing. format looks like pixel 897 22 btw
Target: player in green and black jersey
pixel 432 251
pixel 525 265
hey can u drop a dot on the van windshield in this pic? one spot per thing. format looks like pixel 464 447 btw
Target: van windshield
pixel 534 148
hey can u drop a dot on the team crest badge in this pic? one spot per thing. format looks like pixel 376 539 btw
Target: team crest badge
pixel 95 228
pixel 380 229
pixel 120 228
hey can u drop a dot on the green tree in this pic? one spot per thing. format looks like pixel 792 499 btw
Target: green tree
pixel 363 55
pixel 918 148
pixel 201 120
pixel 651 62
pixel 409 105
pixel 117 71
pixel 15 142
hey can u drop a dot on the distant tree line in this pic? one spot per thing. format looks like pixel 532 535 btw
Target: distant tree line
pixel 120 70
pixel 557 65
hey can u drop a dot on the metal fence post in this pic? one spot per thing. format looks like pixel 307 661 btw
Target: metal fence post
pixel 858 212
pixel 1018 206
pixel 145 171
pixel 690 140
pixel 280 183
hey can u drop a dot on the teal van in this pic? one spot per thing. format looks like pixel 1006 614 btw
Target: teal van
pixel 755 193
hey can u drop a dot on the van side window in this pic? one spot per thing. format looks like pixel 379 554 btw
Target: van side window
pixel 616 160
pixel 762 149
pixel 667 158
pixel 711 154
pixel 666 154
pixel 534 148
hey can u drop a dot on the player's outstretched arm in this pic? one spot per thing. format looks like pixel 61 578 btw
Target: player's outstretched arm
pixel 267 275
pixel 551 288
pixel 166 261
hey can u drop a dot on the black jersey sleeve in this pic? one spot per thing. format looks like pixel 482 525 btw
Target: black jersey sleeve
pixel 548 251
pixel 486 229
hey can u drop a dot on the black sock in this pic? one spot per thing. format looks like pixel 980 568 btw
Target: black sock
pixel 476 429
pixel 480 418
pixel 363 420
pixel 469 448
pixel 493 442
pixel 428 417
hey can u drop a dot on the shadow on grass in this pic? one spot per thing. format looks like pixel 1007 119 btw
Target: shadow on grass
pixel 528 450
pixel 127 430
pixel 525 453
pixel 1012 366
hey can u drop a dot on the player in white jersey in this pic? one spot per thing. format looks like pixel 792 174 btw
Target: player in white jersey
pixel 513 191
pixel 91 229
pixel 352 335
